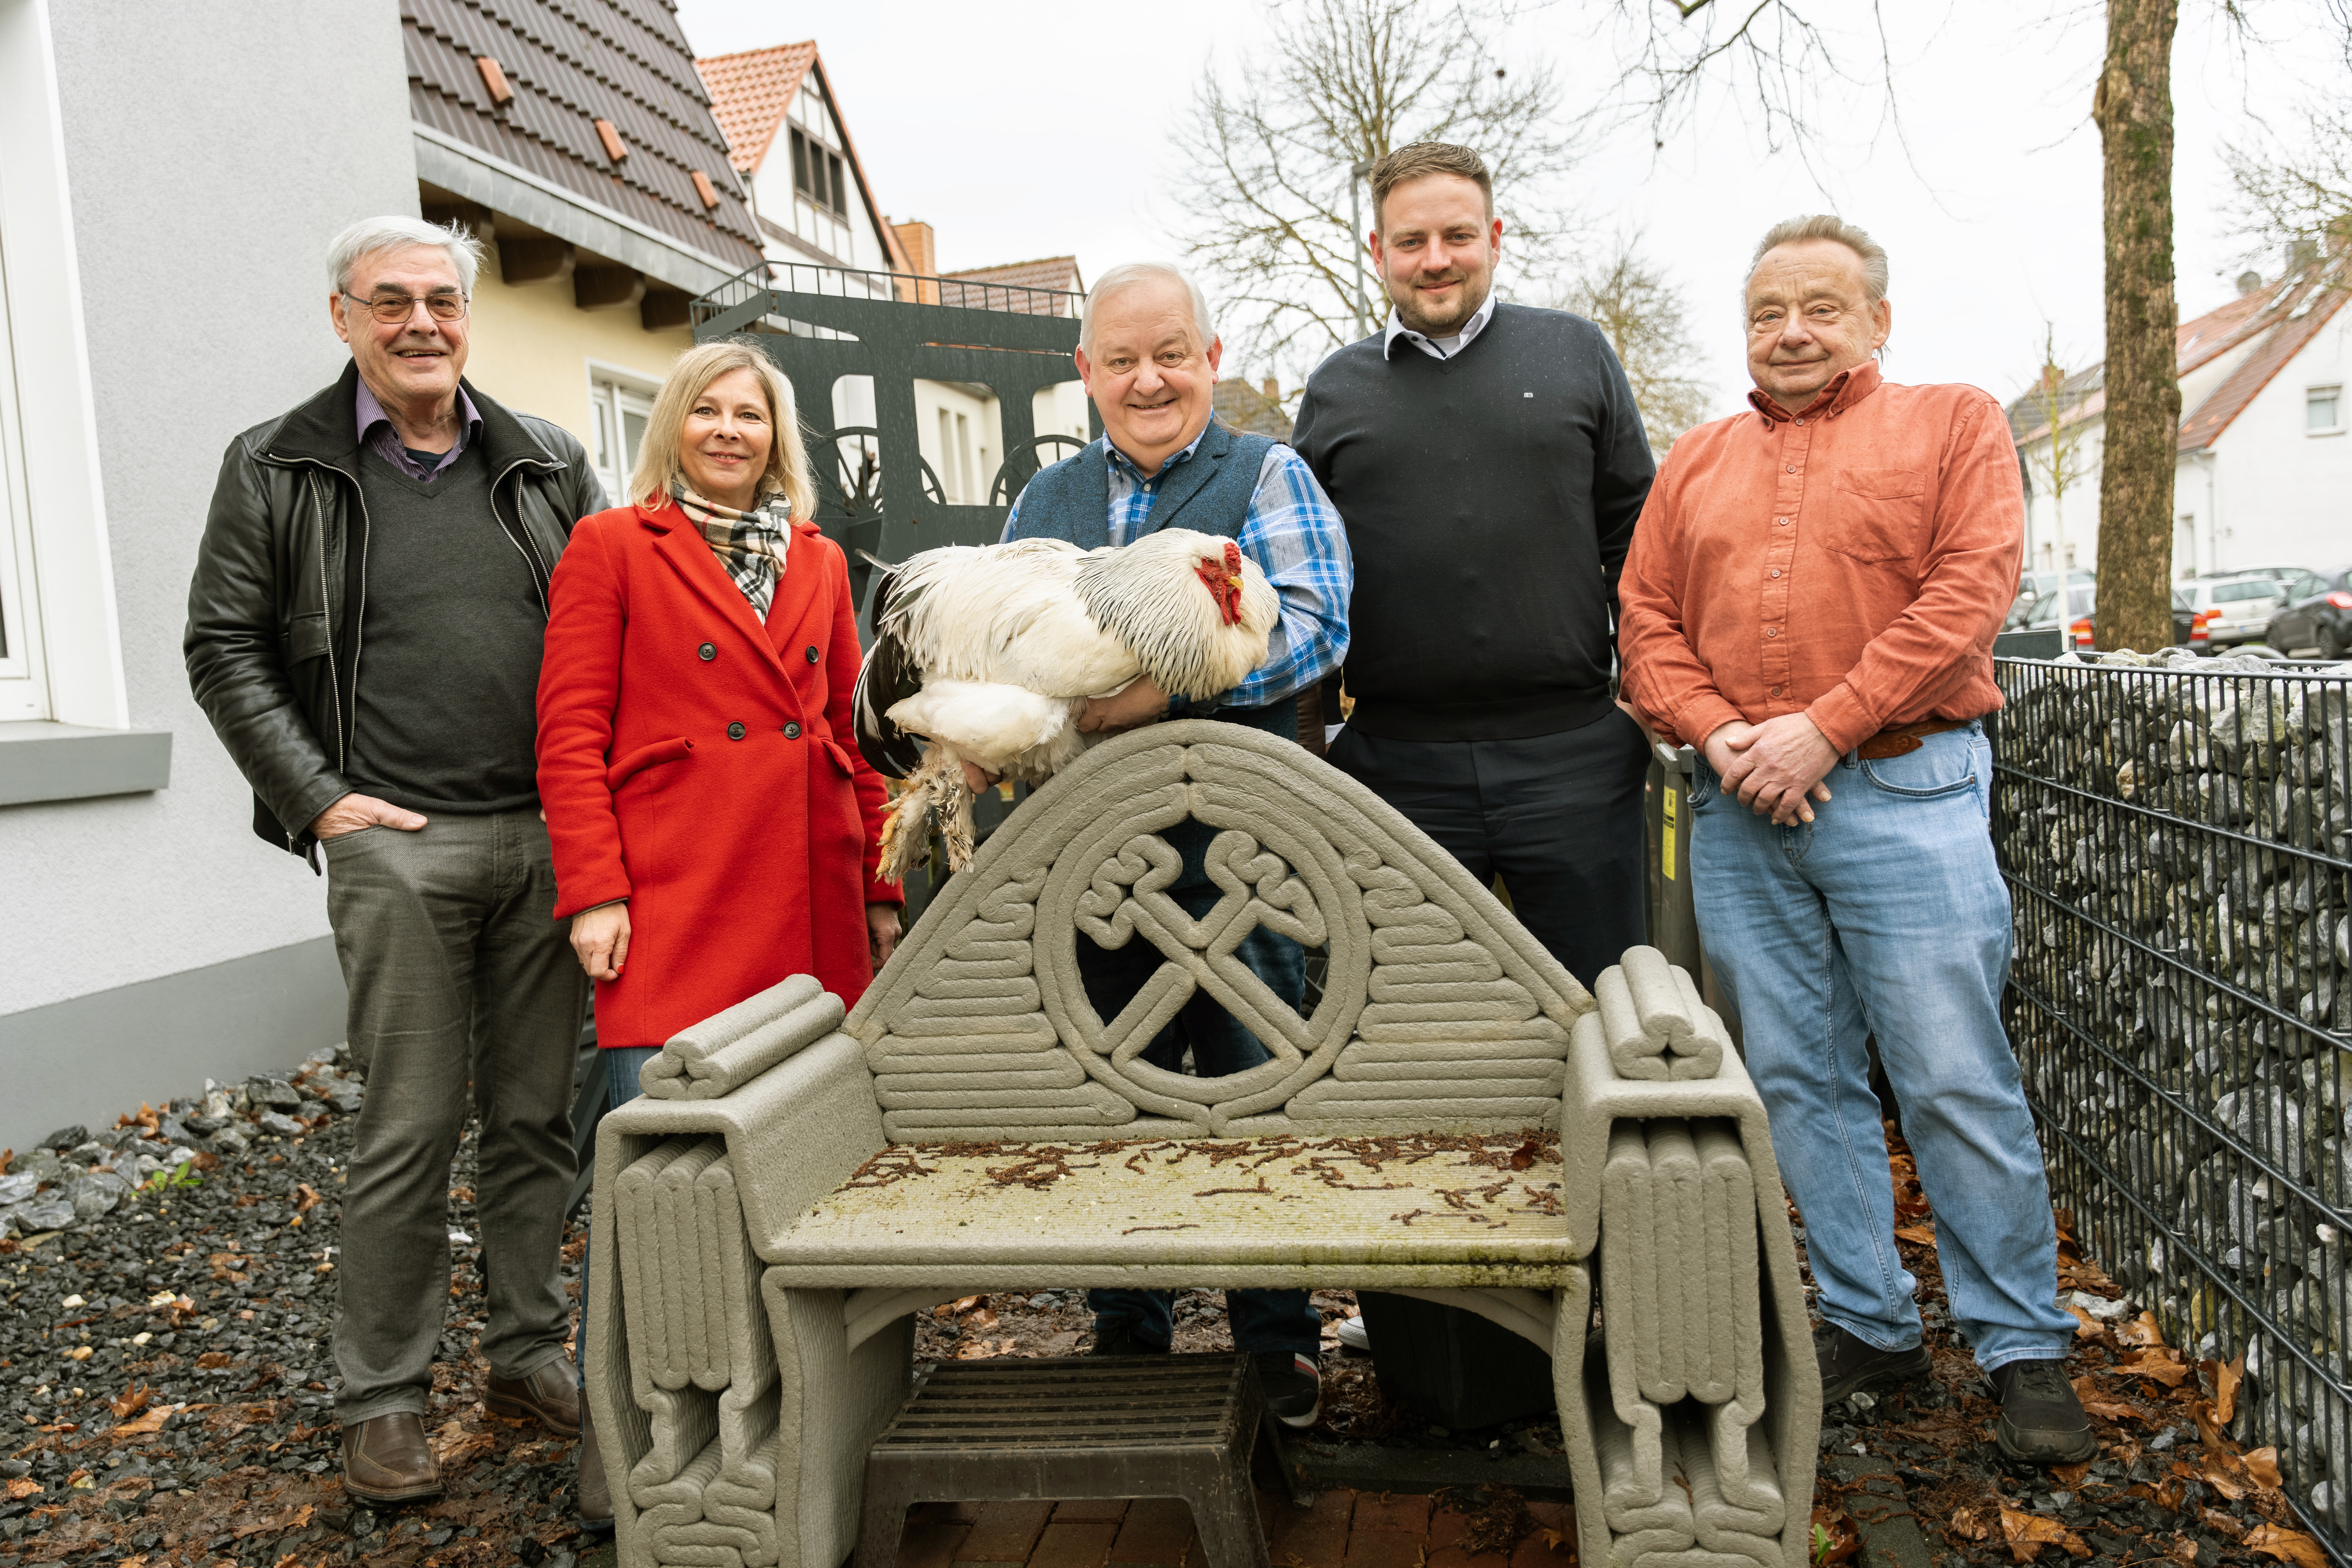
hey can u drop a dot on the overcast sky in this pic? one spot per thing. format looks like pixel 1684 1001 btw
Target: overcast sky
pixel 1055 134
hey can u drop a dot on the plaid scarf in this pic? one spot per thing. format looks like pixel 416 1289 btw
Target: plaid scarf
pixel 749 544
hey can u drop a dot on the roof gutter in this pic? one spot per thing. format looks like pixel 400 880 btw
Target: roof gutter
pixel 484 178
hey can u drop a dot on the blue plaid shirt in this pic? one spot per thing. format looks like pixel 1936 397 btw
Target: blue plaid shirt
pixel 1293 533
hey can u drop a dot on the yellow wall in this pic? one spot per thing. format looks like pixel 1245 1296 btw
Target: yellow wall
pixel 534 348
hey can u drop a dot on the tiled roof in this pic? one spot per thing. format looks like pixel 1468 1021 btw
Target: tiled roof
pixel 1007 288
pixel 2270 308
pixel 1245 408
pixel 571 63
pixel 2316 293
pixel 2080 396
pixel 751 92
pixel 1050 272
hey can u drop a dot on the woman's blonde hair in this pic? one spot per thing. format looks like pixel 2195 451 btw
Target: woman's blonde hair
pixel 657 459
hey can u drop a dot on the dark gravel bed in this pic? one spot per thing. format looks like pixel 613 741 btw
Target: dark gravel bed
pixel 164 1363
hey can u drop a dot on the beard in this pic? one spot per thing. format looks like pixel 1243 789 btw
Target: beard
pixel 1445 323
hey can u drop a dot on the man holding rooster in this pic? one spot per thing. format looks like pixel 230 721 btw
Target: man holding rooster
pixel 1149 353
pixel 1810 602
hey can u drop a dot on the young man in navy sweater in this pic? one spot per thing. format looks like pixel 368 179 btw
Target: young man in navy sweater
pixel 1488 460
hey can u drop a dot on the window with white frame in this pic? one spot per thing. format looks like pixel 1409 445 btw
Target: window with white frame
pixel 2323 410
pixel 24 692
pixel 622 410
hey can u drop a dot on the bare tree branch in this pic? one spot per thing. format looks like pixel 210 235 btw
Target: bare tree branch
pixel 1345 81
pixel 1632 301
pixel 2285 200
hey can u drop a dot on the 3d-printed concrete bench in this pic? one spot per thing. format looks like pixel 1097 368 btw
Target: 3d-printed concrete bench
pixel 795 1185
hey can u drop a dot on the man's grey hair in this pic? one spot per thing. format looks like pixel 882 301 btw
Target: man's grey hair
pixel 1828 225
pixel 371 235
pixel 1125 276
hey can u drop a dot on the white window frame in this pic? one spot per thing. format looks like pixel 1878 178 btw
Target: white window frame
pixel 24 680
pixel 613 390
pixel 2310 395
pixel 70 587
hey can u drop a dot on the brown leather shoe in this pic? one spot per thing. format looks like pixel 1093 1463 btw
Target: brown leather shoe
pixel 596 1501
pixel 547 1394
pixel 387 1459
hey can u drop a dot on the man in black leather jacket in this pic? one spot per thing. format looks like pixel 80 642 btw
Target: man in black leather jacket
pixel 363 632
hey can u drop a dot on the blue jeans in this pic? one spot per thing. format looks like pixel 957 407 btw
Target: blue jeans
pixel 1887 916
pixel 1262 1320
pixel 622 1065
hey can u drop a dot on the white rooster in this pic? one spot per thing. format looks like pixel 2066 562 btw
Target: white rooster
pixel 987 655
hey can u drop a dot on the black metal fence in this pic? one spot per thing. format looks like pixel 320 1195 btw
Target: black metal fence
pixel 2175 837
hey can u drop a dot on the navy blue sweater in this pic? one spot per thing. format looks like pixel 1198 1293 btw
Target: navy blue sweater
pixel 1489 501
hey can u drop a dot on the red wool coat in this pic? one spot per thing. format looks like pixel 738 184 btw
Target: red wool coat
pixel 689 762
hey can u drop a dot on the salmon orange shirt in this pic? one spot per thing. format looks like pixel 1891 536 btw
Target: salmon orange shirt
pixel 1850 563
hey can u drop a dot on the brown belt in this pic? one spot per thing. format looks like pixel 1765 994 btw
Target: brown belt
pixel 1896 740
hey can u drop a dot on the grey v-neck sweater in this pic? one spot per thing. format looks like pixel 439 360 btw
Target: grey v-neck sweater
pixel 1489 499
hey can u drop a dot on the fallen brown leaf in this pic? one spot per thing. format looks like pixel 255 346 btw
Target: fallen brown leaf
pixel 1925 1235
pixel 2182 1551
pixel 2027 1533
pixel 452 1443
pixel 2286 1545
pixel 2262 1466
pixel 212 1359
pixel 2224 1377
pixel 132 1402
pixel 2140 1331
pixel 2072 1475
pixel 147 1426
pixel 21 1489
pixel 2215 1520
pixel 2165 1366
pixel 2086 1327
pixel 305 1198
pixel 2096 1402
pixel 1845 1539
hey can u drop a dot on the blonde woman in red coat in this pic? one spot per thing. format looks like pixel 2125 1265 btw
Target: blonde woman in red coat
pixel 715 829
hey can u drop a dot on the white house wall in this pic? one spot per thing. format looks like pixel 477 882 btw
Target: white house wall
pixel 2284 495
pixel 152 939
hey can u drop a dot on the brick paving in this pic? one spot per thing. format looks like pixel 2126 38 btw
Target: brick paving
pixel 1342 1529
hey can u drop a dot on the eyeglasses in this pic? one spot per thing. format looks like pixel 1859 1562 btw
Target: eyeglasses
pixel 391 308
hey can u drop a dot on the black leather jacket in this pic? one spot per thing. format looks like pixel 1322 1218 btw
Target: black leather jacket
pixel 274 609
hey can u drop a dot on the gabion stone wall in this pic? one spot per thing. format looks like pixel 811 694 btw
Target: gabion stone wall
pixel 2174 832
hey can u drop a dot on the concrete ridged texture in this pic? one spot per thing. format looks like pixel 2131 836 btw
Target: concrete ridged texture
pixel 760 1331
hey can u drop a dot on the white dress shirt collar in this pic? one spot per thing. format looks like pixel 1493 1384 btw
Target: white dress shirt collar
pixel 1438 348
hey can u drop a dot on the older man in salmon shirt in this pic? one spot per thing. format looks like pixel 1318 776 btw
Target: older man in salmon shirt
pixel 1810 601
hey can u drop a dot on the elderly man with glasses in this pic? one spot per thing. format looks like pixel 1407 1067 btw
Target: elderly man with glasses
pixel 403 513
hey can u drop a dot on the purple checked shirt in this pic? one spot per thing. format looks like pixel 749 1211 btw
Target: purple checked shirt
pixel 377 434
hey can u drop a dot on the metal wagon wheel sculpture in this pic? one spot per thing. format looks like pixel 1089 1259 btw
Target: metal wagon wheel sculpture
pixel 1021 464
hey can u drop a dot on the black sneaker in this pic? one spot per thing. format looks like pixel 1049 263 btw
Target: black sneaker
pixel 1293 1385
pixel 2040 1419
pixel 1117 1336
pixel 1850 1364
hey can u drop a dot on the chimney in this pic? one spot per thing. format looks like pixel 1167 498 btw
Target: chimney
pixel 915 239
pixel 1273 390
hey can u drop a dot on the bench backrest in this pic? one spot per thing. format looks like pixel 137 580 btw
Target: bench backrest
pixel 1438 1008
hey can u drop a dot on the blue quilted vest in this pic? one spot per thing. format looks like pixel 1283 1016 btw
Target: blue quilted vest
pixel 1208 492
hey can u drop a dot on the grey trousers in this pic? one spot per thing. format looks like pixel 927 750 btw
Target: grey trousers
pixel 459 978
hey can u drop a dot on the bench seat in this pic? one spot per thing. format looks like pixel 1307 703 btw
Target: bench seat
pixel 1161 1212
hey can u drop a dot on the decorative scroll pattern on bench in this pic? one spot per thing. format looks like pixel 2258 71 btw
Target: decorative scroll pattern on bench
pixel 759 1335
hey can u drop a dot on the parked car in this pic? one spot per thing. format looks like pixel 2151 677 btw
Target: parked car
pixel 2317 623
pixel 2300 581
pixel 2234 609
pixel 2080 619
pixel 2033 586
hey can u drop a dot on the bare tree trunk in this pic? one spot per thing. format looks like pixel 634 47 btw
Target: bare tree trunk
pixel 2133 109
